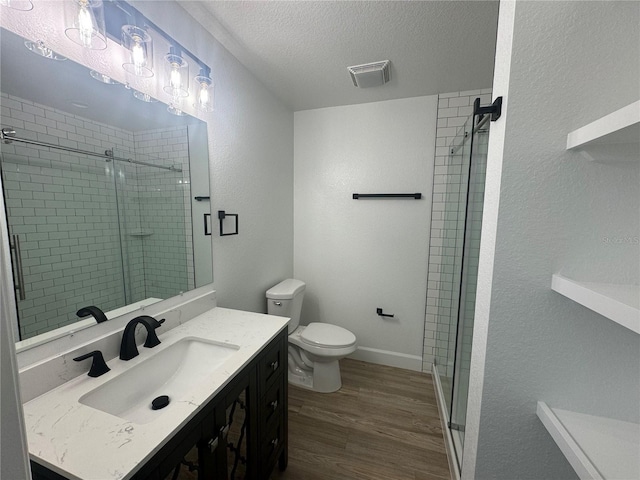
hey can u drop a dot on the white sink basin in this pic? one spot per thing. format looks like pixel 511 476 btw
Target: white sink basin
pixel 172 371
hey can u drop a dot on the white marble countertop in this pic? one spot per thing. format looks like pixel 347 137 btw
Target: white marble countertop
pixel 80 442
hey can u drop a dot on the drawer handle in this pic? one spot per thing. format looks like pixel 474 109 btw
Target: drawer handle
pixel 274 443
pixel 212 444
pixel 274 405
pixel 274 365
pixel 224 432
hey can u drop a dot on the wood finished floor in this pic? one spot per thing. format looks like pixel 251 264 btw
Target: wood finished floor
pixel 382 425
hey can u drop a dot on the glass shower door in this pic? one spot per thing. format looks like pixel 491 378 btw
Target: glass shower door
pixel 63 227
pixel 451 254
pixel 475 180
pixel 155 224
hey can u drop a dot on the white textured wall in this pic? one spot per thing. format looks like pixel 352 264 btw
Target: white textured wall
pixel 356 255
pixel 571 63
pixel 251 169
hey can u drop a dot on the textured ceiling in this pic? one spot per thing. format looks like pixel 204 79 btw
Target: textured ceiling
pixel 301 49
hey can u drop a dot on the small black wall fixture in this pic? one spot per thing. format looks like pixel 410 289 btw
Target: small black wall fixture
pixel 207 223
pixel 380 312
pixel 495 109
pixel 221 216
pixel 200 199
pixel 416 196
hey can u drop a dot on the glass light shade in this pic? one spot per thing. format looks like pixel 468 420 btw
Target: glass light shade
pixel 204 95
pixel 84 23
pixel 22 5
pixel 39 48
pixel 140 47
pixel 175 109
pixel 176 76
pixel 103 78
pixel 144 97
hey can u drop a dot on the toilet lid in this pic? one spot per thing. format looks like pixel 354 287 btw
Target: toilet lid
pixel 326 335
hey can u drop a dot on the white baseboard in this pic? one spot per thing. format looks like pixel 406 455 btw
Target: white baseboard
pixel 390 359
pixel 448 439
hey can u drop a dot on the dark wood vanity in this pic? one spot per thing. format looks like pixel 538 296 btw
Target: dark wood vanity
pixel 240 434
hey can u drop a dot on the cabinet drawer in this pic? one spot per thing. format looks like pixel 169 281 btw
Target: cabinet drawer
pixel 271 446
pixel 270 406
pixel 272 364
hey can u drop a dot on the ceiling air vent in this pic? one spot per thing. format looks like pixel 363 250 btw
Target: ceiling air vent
pixel 370 74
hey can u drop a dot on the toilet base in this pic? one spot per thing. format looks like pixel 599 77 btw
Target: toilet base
pixel 324 378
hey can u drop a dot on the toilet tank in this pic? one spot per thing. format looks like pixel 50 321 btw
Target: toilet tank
pixel 285 300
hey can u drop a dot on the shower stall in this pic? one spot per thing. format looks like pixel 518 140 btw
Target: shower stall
pixel 455 288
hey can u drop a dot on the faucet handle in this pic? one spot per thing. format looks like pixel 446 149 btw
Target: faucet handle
pixel 152 337
pixel 98 365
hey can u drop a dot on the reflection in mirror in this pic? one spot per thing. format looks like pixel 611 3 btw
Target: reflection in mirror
pixel 112 229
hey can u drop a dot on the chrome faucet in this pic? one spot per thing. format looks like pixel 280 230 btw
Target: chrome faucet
pixel 128 348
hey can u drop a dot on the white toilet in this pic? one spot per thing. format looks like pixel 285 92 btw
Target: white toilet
pixel 314 349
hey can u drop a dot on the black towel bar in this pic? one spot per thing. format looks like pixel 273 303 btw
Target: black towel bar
pixel 416 196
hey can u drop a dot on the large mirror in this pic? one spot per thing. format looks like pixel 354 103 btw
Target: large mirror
pixel 106 193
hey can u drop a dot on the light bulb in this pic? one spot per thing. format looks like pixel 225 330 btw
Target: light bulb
pixel 177 76
pixel 86 25
pixel 138 57
pixel 204 97
pixel 175 80
pixel 140 47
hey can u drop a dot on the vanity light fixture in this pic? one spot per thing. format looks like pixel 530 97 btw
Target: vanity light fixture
pixel 39 48
pixel 103 78
pixel 140 46
pixel 176 75
pixel 22 5
pixel 84 23
pixel 204 95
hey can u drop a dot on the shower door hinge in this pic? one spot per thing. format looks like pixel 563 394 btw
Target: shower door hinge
pixel 455 426
pixel 495 109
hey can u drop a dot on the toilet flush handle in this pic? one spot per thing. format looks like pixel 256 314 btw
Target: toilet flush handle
pixel 277 304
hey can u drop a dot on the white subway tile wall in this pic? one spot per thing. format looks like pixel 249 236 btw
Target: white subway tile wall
pixel 165 210
pixel 447 229
pixel 63 207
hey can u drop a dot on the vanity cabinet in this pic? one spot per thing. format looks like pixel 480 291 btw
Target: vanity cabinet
pixel 240 434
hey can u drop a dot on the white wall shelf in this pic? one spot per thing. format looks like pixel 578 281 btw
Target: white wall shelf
pixel 614 137
pixel 619 303
pixel 596 447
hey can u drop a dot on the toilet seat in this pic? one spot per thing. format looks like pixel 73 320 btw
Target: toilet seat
pixel 327 335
